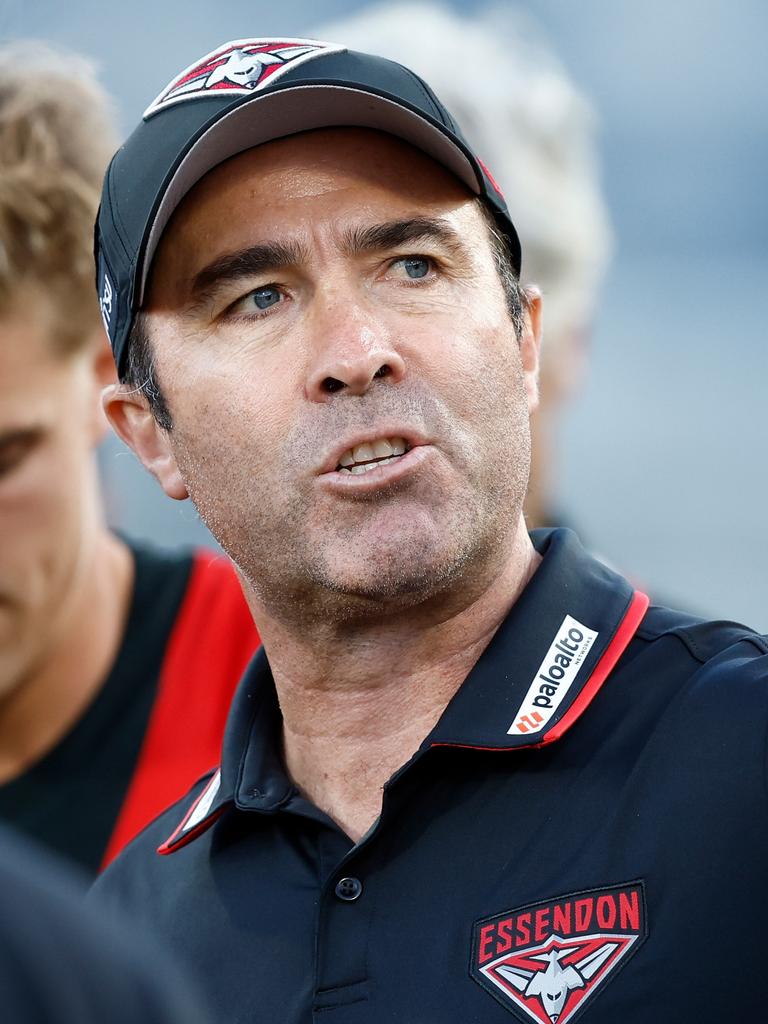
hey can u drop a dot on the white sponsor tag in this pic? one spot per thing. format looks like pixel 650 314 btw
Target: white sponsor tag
pixel 555 677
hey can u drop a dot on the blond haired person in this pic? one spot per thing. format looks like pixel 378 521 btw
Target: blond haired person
pixel 97 636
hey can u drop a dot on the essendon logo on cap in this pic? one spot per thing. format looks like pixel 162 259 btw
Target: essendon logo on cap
pixel 240 67
pixel 545 961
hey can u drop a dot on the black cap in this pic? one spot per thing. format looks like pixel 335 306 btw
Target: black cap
pixel 239 96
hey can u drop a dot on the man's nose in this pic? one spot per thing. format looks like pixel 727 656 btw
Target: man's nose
pixel 350 351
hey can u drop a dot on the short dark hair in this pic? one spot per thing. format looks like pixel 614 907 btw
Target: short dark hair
pixel 514 293
pixel 139 370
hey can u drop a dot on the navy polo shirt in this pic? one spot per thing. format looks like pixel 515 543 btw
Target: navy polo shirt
pixel 582 835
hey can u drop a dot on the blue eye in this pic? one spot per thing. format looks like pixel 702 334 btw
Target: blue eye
pixel 266 297
pixel 416 266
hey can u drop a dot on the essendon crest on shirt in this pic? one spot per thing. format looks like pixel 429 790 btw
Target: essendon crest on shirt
pixel 240 67
pixel 546 961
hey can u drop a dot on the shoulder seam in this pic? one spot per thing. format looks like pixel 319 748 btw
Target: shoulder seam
pixel 757 640
pixel 683 635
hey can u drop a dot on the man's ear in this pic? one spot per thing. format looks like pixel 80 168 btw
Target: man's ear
pixel 127 409
pixel 530 345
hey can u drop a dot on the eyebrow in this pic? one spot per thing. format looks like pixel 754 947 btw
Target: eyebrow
pixel 25 435
pixel 18 442
pixel 394 234
pixel 270 256
pixel 256 259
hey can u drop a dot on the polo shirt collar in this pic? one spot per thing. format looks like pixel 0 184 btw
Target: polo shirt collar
pixel 252 775
pixel 539 673
pixel 549 657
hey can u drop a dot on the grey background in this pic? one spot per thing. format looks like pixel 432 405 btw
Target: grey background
pixel 662 458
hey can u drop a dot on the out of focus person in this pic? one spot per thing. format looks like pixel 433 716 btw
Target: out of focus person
pixel 521 111
pixel 62 963
pixel 117 661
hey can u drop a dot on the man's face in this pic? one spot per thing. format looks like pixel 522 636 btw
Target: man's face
pixel 331 299
pixel 48 425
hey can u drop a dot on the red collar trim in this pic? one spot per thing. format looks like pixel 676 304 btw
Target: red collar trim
pixel 620 641
pixel 629 625
pixel 200 816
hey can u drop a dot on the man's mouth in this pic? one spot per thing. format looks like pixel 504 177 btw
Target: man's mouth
pixel 371 454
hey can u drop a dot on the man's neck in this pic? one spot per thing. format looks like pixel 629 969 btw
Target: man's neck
pixel 356 707
pixel 39 710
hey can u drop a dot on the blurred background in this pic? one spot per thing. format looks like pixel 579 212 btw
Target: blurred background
pixel 660 458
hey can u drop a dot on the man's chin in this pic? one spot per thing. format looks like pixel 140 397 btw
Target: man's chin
pixel 396 580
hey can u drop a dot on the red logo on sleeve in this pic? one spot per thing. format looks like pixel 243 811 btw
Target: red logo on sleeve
pixel 545 961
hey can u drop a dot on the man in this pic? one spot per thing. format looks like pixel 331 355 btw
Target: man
pixel 471 775
pixel 117 662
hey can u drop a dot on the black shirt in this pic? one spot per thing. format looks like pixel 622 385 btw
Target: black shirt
pixel 70 798
pixel 583 833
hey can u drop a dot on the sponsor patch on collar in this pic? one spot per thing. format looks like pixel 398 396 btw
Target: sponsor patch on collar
pixel 240 67
pixel 554 677
pixel 545 961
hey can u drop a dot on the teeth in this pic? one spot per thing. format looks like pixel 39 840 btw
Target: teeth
pixel 361 458
pixel 366 466
pixel 363 453
pixel 382 449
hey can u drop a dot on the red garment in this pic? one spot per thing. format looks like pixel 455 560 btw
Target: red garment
pixel 212 641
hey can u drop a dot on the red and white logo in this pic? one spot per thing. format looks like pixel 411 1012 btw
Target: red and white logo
pixel 240 67
pixel 545 961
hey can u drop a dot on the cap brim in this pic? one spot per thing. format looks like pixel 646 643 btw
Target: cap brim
pixel 287 111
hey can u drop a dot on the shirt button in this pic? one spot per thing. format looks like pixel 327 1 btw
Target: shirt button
pixel 349 889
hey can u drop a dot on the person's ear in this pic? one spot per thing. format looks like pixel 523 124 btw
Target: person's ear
pixel 530 345
pixel 127 409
